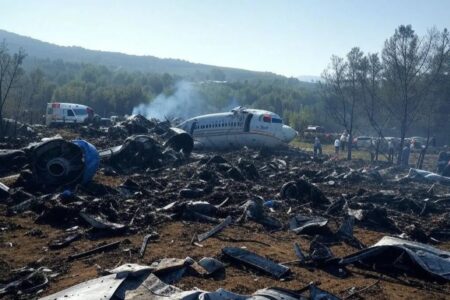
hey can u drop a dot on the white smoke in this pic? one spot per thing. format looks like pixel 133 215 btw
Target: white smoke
pixel 232 104
pixel 185 102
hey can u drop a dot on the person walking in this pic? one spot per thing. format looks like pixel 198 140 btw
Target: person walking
pixel 317 147
pixel 337 146
pixel 446 170
pixel 344 139
pixel 390 151
pixel 372 152
pixel 406 151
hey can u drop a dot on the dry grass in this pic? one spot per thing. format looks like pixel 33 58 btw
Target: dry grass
pixel 429 163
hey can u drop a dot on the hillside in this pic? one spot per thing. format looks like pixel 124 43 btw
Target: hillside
pixel 38 50
pixel 115 84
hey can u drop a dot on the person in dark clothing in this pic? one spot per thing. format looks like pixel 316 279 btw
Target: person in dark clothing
pixel 443 160
pixel 446 171
pixel 406 151
pixel 317 147
pixel 391 151
pixel 433 141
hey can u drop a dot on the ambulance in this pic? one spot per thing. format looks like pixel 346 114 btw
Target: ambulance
pixel 63 113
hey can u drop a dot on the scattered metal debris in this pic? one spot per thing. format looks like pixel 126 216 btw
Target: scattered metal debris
pixel 215 230
pixel 99 249
pixel 152 179
pixel 307 224
pixel 99 223
pixel 98 288
pixel 256 261
pixel 397 255
pixel 32 281
pixel 64 241
pixel 147 238
pixel 136 282
pixel 211 265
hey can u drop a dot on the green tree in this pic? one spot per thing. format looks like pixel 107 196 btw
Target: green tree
pixel 217 74
pixel 411 65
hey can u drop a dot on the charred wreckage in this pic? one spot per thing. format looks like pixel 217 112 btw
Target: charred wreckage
pixel 275 216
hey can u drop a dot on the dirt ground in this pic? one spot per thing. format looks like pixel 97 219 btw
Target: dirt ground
pixel 21 245
pixel 175 241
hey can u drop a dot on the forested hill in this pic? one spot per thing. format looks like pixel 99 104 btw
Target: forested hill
pixel 116 84
pixel 38 50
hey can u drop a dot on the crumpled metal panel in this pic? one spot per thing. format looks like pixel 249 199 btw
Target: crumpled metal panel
pixel 256 261
pixel 300 223
pixel 152 288
pixel 276 293
pixel 122 277
pixel 222 294
pixel 263 294
pixel 316 293
pixel 99 223
pixel 140 151
pixel 434 262
pixel 134 270
pixel 216 229
pixel 423 175
pixel 98 288
pixel 180 140
pixel 211 265
pixel 135 282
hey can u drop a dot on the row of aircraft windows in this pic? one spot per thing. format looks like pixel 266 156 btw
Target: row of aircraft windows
pixel 219 125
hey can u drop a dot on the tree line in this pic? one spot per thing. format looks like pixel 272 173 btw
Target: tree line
pixel 112 91
pixel 402 90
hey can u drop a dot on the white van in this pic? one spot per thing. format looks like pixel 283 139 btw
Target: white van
pixel 59 113
pixel 363 142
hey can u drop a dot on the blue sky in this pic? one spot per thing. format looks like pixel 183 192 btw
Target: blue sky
pixel 281 36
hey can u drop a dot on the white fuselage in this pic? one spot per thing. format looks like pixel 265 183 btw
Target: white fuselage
pixel 238 128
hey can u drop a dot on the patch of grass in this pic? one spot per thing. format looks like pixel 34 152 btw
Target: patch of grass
pixel 329 149
pixel 429 163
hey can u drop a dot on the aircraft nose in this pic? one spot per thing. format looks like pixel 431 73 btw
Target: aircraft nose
pixel 288 133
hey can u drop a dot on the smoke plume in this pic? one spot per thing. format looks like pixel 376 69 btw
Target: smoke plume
pixel 185 102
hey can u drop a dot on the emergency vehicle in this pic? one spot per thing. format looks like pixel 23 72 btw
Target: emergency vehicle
pixel 60 113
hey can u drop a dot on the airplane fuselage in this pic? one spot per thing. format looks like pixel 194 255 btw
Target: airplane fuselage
pixel 238 128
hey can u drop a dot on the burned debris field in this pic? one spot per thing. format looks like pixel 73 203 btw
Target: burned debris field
pixel 240 150
pixel 276 224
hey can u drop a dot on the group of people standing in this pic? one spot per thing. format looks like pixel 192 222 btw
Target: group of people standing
pixel 404 155
pixel 339 144
pixel 342 142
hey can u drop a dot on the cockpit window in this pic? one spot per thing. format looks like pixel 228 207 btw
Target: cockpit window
pixel 269 119
pixel 275 120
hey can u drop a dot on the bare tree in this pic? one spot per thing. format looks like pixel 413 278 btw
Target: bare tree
pixel 440 58
pixel 10 73
pixel 371 83
pixel 333 87
pixel 410 66
pixel 343 90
